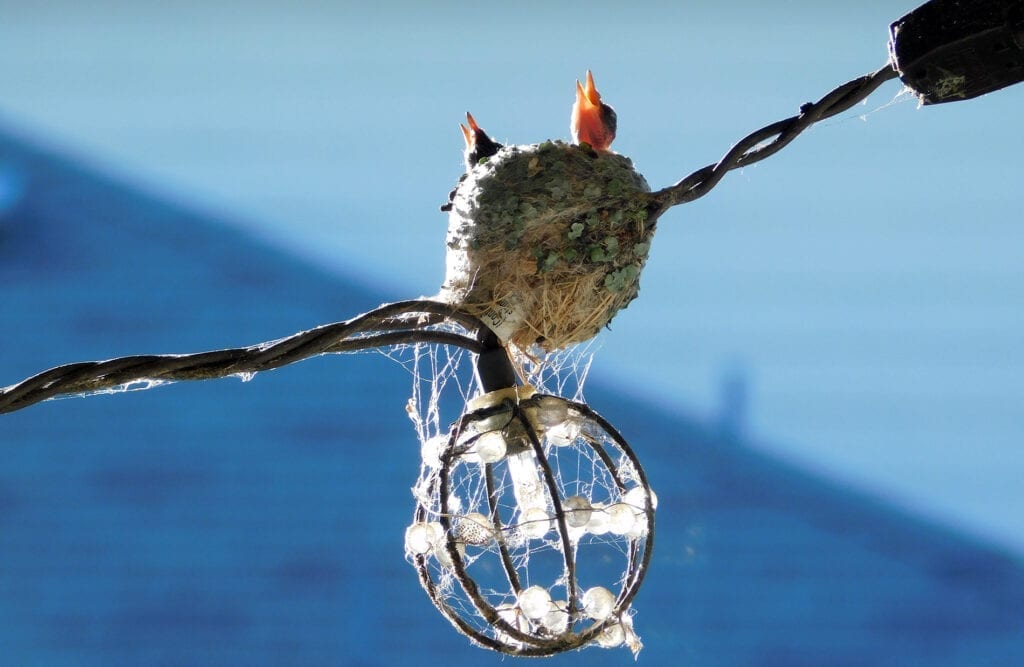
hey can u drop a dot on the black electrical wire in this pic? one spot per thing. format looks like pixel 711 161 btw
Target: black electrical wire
pixel 752 148
pixel 398 323
pixel 408 322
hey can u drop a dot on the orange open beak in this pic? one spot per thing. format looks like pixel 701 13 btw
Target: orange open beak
pixel 592 122
pixel 469 133
pixel 590 92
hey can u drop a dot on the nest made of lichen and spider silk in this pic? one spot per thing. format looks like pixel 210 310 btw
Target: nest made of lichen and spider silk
pixel 546 242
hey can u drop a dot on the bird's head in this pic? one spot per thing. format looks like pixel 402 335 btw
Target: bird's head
pixel 478 144
pixel 592 121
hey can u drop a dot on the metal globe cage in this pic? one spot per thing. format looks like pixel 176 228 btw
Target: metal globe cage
pixel 534 525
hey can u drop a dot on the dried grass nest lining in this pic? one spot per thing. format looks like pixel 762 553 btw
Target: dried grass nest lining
pixel 546 242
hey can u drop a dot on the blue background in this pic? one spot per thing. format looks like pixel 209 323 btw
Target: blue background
pixel 860 292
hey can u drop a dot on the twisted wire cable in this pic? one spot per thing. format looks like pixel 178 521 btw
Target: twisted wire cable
pixel 751 148
pixel 403 322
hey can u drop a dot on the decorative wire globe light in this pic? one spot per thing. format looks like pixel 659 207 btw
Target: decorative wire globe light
pixel 533 526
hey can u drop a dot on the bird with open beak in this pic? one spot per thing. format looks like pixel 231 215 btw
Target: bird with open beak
pixel 478 144
pixel 592 121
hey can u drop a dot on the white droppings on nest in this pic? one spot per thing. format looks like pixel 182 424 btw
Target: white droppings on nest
pixel 546 242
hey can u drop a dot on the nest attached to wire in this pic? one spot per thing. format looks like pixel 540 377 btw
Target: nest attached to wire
pixel 546 242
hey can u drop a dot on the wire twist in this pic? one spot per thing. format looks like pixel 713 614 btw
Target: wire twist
pixel 403 322
pixel 751 148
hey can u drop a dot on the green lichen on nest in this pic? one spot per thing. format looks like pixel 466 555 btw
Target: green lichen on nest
pixel 546 242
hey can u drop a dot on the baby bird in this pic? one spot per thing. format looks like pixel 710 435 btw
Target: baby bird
pixel 478 144
pixel 592 121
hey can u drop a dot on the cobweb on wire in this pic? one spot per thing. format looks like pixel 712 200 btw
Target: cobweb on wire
pixel 561 373
pixel 443 381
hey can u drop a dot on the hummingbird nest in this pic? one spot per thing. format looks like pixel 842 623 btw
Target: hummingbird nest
pixel 546 242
